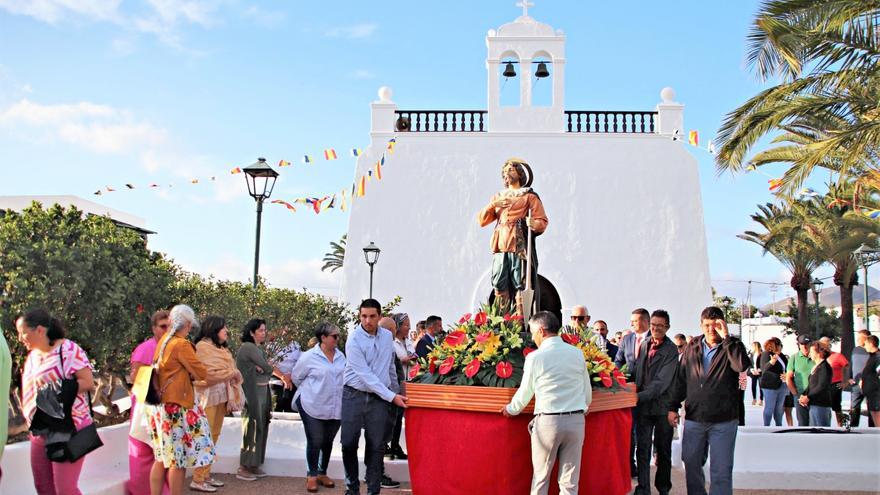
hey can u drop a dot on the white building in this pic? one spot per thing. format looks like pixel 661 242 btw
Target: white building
pixel 623 198
pixel 120 218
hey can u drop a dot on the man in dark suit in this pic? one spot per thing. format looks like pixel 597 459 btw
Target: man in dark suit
pixel 434 326
pixel 654 372
pixel 627 353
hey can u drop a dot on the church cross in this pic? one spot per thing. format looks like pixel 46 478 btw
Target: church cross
pixel 525 4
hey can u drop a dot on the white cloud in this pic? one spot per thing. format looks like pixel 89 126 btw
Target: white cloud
pixel 95 127
pixel 363 74
pixel 293 274
pixel 161 18
pixel 364 30
pixel 265 18
pixel 53 11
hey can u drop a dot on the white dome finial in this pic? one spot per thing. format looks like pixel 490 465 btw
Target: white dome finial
pixel 385 94
pixel 667 94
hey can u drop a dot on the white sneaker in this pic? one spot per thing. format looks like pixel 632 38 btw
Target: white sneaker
pixel 202 487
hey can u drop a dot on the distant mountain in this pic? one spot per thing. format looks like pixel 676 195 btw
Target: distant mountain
pixel 828 297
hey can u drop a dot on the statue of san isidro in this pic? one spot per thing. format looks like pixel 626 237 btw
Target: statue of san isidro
pixel 518 212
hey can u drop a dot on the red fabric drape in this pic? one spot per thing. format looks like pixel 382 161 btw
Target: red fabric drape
pixel 455 452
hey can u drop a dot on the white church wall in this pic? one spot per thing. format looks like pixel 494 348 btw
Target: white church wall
pixel 626 223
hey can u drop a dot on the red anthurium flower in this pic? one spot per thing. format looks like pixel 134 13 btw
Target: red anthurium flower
pixel 571 338
pixel 432 365
pixel 472 368
pixel 504 369
pixel 516 317
pixel 446 365
pixel 481 318
pixel 621 379
pixel 528 350
pixel 507 317
pixel 455 338
pixel 465 318
pixel 606 379
pixel 414 371
pixel 482 337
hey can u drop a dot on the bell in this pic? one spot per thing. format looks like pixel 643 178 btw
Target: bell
pixel 508 70
pixel 542 70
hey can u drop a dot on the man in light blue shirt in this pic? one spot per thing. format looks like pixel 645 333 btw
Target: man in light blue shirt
pixel 557 377
pixel 367 396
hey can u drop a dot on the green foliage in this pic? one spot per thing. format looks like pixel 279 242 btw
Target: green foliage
pixel 103 283
pixel 333 260
pixel 829 324
pixel 291 316
pixel 99 279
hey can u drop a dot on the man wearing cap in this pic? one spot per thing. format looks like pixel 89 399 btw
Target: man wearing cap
pixel 557 377
pixel 797 376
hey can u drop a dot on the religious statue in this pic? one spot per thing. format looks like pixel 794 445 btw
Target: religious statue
pixel 519 216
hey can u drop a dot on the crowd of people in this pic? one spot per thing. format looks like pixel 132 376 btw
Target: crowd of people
pixel 363 391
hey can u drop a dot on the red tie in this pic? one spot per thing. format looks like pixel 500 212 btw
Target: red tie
pixel 638 344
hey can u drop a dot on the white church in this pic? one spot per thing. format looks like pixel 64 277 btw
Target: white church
pixel 622 197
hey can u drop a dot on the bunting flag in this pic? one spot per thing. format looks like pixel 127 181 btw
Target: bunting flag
pixel 194 181
pixel 775 184
pixel 236 170
pixel 329 154
pixel 316 205
pixel 370 174
pixel 694 138
pixel 130 186
pixel 283 163
pixel 356 152
pixel 362 187
pixel 154 185
pixel 379 170
pixel 343 206
pixel 330 204
pixel 808 193
pixel 97 193
pixel 285 203
pixel 675 135
pixel 391 144
pixel 307 159
pixel 873 214
pixel 711 147
pixel 302 201
pixel 110 189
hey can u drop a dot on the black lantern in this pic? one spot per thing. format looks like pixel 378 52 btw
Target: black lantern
pixel 260 180
pixel 817 289
pixel 371 255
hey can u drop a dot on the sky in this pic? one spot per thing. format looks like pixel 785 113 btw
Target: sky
pixel 97 93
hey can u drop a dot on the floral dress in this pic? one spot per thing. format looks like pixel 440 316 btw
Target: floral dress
pixel 180 436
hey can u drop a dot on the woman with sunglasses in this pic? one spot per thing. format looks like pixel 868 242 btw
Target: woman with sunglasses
pixel 140 451
pixel 318 377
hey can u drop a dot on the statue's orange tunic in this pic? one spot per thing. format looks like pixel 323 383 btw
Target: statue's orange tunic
pixel 504 237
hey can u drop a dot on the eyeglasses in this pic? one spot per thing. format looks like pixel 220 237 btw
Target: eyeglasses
pixel 578 318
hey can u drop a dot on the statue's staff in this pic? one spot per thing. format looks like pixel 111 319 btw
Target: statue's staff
pixel 528 294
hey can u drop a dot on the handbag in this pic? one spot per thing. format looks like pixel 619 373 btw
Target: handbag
pixel 146 383
pixel 80 442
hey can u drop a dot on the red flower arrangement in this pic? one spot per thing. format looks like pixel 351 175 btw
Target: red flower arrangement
pixel 504 369
pixel 446 365
pixel 472 368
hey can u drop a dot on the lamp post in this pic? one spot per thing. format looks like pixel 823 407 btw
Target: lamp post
pixel 260 178
pixel 866 255
pixel 817 288
pixel 371 254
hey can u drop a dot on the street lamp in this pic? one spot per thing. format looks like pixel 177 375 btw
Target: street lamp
pixel 260 180
pixel 866 255
pixel 371 254
pixel 817 288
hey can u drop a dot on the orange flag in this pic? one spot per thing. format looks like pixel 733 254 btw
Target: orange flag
pixel 362 187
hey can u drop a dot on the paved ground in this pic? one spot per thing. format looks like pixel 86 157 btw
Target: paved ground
pixel 297 486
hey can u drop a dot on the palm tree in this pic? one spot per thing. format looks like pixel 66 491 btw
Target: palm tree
pixel 787 241
pixel 827 53
pixel 333 259
pixel 825 224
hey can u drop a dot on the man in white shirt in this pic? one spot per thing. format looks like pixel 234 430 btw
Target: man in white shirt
pixel 557 376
